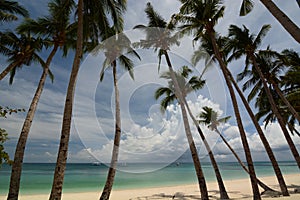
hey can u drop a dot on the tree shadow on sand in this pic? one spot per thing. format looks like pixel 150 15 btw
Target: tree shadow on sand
pixel 214 195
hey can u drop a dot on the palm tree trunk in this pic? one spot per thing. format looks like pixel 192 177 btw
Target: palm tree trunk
pixel 223 192
pixel 255 190
pixel 193 149
pixel 263 138
pixel 15 177
pixel 276 112
pixel 8 69
pixel 286 102
pixel 60 167
pixel 114 160
pixel 283 19
pixel 259 182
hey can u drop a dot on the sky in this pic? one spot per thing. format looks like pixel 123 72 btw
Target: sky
pixel 148 134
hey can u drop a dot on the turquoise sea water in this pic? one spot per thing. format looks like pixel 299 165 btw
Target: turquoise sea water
pixel 37 177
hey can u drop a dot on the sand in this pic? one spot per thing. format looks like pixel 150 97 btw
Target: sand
pixel 237 189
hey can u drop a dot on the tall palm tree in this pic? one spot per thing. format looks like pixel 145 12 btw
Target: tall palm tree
pixel 115 46
pixel 9 10
pixel 225 49
pixel 223 44
pixel 281 17
pixel 194 83
pixel 200 17
pixel 21 49
pixel 263 138
pixel 92 19
pixel 54 27
pixel 210 117
pixel 160 37
pixel 247 44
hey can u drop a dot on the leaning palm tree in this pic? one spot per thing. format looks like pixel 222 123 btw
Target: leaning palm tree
pixel 55 28
pixel 206 48
pixel 263 138
pixel 281 17
pixel 115 46
pixel 194 83
pixel 160 37
pixel 9 10
pixel 210 118
pixel 199 17
pixel 247 44
pixel 92 14
pixel 21 49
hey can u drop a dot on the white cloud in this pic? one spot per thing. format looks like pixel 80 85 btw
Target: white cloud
pixel 164 139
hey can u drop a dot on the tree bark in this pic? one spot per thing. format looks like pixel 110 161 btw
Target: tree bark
pixel 61 162
pixel 259 182
pixel 223 192
pixel 283 19
pixel 255 190
pixel 8 69
pixel 15 177
pixel 114 160
pixel 276 112
pixel 193 149
pixel 263 138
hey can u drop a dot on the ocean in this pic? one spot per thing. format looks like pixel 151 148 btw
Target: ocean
pixel 87 177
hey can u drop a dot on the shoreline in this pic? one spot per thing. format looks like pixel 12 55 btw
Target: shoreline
pixel 237 189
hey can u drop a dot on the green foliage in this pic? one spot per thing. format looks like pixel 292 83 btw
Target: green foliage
pixel 4 111
pixel 9 10
pixel 211 118
pixel 4 157
pixel 186 84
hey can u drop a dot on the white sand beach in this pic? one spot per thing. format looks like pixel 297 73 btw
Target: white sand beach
pixel 237 189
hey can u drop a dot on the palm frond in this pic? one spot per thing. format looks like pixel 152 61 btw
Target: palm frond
pixel 106 64
pixel 246 7
pixel 128 65
pixel 262 33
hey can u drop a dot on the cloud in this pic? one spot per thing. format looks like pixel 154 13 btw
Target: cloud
pixel 147 134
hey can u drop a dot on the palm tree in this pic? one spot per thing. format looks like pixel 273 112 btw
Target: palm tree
pixel 264 140
pixel 114 46
pixel 281 17
pixel 160 37
pixel 200 17
pixel 92 19
pixel 55 26
pixel 272 64
pixel 246 44
pixel 289 80
pixel 9 10
pixel 186 87
pixel 210 117
pixel 225 48
pixel 21 49
pixel 290 83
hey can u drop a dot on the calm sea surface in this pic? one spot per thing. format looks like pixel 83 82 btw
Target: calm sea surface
pixel 37 177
